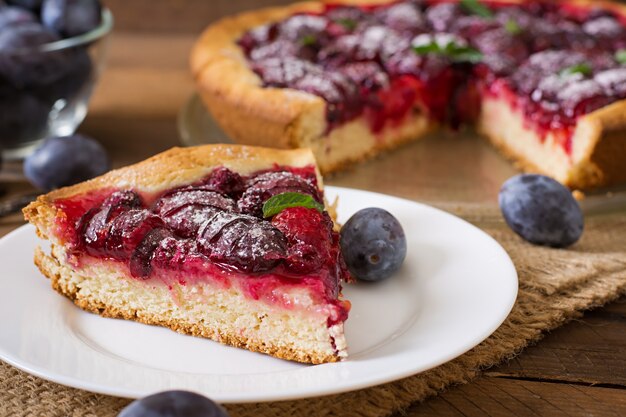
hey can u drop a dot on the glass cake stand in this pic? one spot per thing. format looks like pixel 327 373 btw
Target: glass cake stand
pixel 457 171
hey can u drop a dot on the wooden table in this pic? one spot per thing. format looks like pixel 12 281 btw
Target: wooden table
pixel 577 370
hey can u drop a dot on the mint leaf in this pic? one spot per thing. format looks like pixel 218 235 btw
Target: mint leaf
pixel 512 27
pixel 308 40
pixel 620 56
pixel 455 52
pixel 582 68
pixel 429 48
pixel 467 55
pixel 279 202
pixel 349 24
pixel 477 8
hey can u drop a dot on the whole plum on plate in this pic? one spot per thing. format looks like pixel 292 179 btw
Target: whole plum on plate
pixel 373 244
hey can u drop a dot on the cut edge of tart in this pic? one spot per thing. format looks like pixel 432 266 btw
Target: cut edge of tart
pixel 292 118
pixel 206 282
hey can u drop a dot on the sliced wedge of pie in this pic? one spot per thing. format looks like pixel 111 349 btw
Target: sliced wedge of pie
pixel 545 81
pixel 181 240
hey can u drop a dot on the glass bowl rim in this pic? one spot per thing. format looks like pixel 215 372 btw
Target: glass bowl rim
pixel 96 33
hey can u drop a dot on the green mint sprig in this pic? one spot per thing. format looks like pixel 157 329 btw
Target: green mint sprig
pixel 477 8
pixel 280 202
pixel 347 23
pixel 582 68
pixel 512 27
pixel 457 53
pixel 620 56
pixel 308 40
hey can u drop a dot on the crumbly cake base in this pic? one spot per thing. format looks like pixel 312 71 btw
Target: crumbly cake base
pixel 199 310
pixel 286 118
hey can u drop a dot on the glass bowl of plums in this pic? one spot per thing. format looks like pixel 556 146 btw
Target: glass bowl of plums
pixel 51 53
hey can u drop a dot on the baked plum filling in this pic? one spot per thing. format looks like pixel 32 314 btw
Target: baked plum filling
pixel 554 62
pixel 216 226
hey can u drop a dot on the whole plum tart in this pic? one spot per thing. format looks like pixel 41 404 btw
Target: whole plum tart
pixel 184 240
pixel 545 81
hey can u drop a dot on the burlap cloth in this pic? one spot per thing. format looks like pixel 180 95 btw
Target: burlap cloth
pixel 555 286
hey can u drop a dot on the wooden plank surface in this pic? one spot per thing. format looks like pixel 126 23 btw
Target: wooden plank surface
pixel 578 370
pixel 590 351
pixel 496 397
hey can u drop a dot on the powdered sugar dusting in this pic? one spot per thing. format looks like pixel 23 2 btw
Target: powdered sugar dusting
pixel 603 27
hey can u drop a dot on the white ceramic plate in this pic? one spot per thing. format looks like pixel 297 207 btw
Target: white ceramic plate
pixel 455 288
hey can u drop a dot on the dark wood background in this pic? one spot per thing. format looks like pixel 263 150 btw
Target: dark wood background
pixel 577 370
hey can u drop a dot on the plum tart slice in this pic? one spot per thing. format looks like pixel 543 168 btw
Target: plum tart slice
pixel 182 240
pixel 545 81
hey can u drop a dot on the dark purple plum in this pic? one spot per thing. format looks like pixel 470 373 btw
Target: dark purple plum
pixel 373 244
pixel 303 29
pixel 10 15
pixel 173 404
pixel 470 26
pixel 541 65
pixel 277 72
pixel 323 85
pixel 71 17
pixel 61 161
pixel 379 42
pixel 243 242
pixel 404 17
pixel 541 210
pixel 170 253
pixel 613 80
pixel 176 200
pixel 339 51
pixel 128 229
pixel 347 16
pixel 94 225
pixel 441 16
pixel 257 36
pixel 140 263
pixel 404 62
pixel 266 185
pixel 225 181
pixel 282 49
pixel 187 209
pixel 366 74
pixel 21 60
pixel 501 50
pixel 582 97
pixel 604 27
pixel 121 201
